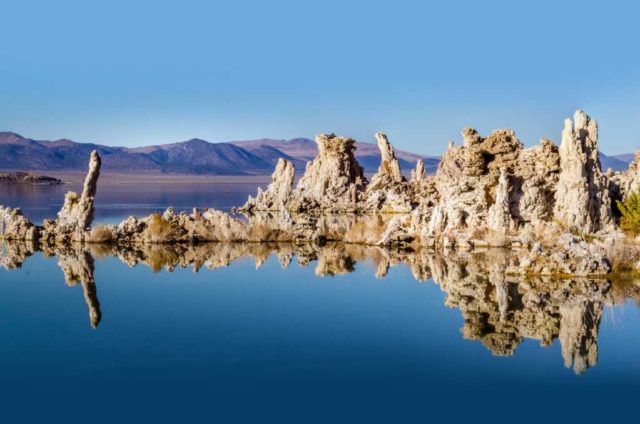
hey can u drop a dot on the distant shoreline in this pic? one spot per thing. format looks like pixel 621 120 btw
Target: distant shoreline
pixel 108 178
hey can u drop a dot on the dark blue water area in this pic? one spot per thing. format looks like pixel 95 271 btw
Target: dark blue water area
pixel 238 344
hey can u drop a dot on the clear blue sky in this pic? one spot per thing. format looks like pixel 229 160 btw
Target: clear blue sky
pixel 143 72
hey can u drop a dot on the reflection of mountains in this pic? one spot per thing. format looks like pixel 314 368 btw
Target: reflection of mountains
pixel 499 310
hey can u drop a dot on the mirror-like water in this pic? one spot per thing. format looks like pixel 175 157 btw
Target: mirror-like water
pixel 232 332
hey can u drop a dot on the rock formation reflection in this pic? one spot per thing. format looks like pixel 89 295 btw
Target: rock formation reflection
pixel 499 309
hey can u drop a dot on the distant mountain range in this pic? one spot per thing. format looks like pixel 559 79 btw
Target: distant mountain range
pixel 195 156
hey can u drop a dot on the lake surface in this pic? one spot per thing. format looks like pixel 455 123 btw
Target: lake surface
pixel 285 333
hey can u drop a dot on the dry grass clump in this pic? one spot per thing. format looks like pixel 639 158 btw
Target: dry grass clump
pixel 624 255
pixel 160 231
pixel 102 234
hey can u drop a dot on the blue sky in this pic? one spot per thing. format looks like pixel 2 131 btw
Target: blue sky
pixel 147 72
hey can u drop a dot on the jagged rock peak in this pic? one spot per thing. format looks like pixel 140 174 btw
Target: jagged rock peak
pixel 582 198
pixel 629 181
pixel 418 174
pixel 77 211
pixel 334 180
pixel 389 164
pixel 276 196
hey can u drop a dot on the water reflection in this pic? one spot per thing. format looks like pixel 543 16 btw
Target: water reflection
pixel 499 309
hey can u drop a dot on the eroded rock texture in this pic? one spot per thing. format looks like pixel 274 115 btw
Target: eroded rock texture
pixel 76 215
pixel 488 192
pixel 15 226
pixel 276 196
pixel 582 195
pixel 333 181
pixel 388 191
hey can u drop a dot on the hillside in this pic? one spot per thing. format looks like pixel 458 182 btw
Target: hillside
pixel 192 157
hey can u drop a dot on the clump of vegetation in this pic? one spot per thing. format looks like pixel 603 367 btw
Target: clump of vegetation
pixel 630 210
pixel 160 230
pixel 624 255
pixel 102 234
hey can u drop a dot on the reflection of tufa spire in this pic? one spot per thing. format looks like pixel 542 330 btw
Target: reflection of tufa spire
pixel 579 334
pixel 78 266
pixel 499 308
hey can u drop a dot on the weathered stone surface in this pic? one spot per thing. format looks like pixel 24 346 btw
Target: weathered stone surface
pixel 419 174
pixel 15 226
pixel 582 199
pixel 499 212
pixel 488 192
pixel 629 181
pixel 467 179
pixel 570 255
pixel 75 217
pixel 388 191
pixel 333 181
pixel 276 196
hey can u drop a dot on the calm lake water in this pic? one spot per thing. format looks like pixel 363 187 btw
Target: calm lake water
pixel 299 333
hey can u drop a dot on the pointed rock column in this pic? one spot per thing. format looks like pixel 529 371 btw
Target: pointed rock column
pixel 418 175
pixel 388 191
pixel 499 216
pixel 389 170
pixel 275 197
pixel 582 197
pixel 334 180
pixel 76 214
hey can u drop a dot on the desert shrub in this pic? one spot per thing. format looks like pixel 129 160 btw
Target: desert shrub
pixel 624 255
pixel 160 230
pixel 630 210
pixel 102 234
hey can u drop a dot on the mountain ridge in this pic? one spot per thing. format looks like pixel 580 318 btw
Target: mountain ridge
pixel 200 157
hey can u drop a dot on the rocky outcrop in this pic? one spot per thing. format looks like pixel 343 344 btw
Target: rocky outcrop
pixel 582 199
pixel 388 191
pixel 15 226
pixel 76 215
pixel 489 192
pixel 499 212
pixel 333 181
pixel 569 255
pixel 629 181
pixel 467 179
pixel 276 196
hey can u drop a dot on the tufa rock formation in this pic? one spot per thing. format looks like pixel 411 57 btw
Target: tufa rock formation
pixel 582 198
pixel 15 226
pixel 333 181
pixel 277 195
pixel 489 192
pixel 76 215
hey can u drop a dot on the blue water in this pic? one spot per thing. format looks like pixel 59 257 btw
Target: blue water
pixel 240 344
